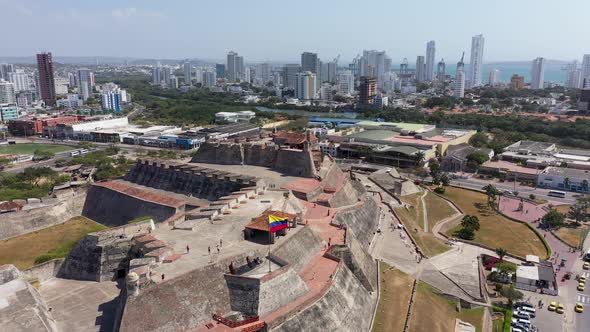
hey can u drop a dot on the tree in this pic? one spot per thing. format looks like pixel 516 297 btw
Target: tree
pixel 444 179
pixel 419 156
pixel 466 234
pixel 566 182
pixel 42 155
pixel 478 157
pixel 491 193
pixel 471 222
pixel 501 252
pixel 585 185
pixel 552 219
pixel 509 292
pixel 479 140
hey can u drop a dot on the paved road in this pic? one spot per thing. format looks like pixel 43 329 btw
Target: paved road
pixel 523 191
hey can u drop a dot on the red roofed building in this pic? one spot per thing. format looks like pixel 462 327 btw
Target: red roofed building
pixel 35 126
pixel 294 140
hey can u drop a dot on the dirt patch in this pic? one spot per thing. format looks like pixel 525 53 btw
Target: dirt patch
pixel 573 236
pixel 396 290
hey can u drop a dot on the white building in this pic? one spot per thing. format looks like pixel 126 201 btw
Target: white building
pixel 157 74
pixel 85 80
pixel 430 54
pixel 329 148
pixel 474 77
pixel 573 75
pixel 71 100
pixel 494 77
pixel 373 63
pixel 459 84
pixel 7 95
pixel 209 78
pixel 381 101
pixel 306 87
pixel 562 178
pixel 234 69
pixel 538 73
pixel 20 80
pixel 61 85
pixel 242 116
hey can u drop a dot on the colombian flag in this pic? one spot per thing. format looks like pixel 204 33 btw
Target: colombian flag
pixel 277 223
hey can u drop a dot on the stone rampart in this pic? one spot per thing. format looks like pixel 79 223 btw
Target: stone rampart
pixel 362 219
pixel 358 260
pixel 279 289
pixel 346 306
pixel 113 208
pixel 44 271
pixel 18 223
pixel 300 248
pixel 23 309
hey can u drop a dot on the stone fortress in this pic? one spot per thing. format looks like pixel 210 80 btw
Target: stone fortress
pixel 204 261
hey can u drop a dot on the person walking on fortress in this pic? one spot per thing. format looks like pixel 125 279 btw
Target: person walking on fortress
pixel 220 243
pixel 209 249
pixel 187 249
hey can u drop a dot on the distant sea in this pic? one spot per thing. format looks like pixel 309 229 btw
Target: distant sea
pixel 553 70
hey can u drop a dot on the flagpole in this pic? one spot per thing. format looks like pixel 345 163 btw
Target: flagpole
pixel 269 243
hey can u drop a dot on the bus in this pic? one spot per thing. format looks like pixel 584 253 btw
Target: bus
pixel 556 193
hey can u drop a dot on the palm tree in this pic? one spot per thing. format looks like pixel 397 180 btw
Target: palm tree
pixel 420 156
pixel 566 182
pixel 491 192
pixel 585 185
pixel 501 252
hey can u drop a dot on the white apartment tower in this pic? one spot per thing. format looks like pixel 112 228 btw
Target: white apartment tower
pixel 459 84
pixel 573 76
pixel 474 77
pixel 187 68
pixel 85 80
pixel 430 54
pixel 420 69
pixel 494 77
pixel 346 83
pixel 234 69
pixel 20 80
pixel 305 89
pixel 586 67
pixel 538 74
pixel 7 92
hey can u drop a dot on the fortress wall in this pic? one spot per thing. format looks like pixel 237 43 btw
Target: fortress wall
pixel 112 208
pixel 295 162
pixel 280 290
pixel 358 260
pixel 23 308
pixel 23 222
pixel 347 195
pixel 299 249
pixel 218 153
pixel 260 154
pixel 362 220
pixel 243 293
pixel 44 271
pixel 346 306
pixel 183 303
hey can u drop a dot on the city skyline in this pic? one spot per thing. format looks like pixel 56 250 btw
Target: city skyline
pixel 167 31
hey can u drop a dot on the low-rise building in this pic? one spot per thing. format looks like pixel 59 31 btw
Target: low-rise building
pixel 232 117
pixel 562 178
pixel 510 171
pixel 8 113
pixel 456 159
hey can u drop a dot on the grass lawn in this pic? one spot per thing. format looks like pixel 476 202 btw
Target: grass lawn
pixel 573 236
pixel 563 208
pixel 396 290
pixel 57 240
pixel 29 148
pixel 437 209
pixel 495 230
pixel 413 220
pixel 434 313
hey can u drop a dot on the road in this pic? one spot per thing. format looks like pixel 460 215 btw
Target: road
pixel 523 191
pixel 582 320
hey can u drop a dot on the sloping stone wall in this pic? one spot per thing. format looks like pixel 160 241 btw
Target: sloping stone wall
pixel 279 290
pixel 300 248
pixel 362 220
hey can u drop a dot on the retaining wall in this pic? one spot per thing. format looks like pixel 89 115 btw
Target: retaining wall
pixel 44 271
pixel 363 220
pixel 18 223
pixel 299 249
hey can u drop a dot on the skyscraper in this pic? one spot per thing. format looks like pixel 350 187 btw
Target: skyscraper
pixel 474 77
pixel 240 69
pixel 7 95
pixel 220 70
pixel 20 80
pixel 367 90
pixel 310 62
pixel 45 78
pixel 538 74
pixel 5 70
pixel 306 88
pixel 234 68
pixel 586 67
pixel 166 75
pixel 420 69
pixel 459 83
pixel 85 82
pixel 430 54
pixel 188 69
pixel 441 71
pixel 346 83
pixel 263 72
pixel 290 75
pixel 573 76
pixel 494 77
pixel 157 74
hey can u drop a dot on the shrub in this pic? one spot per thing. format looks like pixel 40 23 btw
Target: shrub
pixel 532 196
pixel 439 190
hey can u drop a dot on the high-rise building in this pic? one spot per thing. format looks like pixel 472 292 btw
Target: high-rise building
pixel 290 75
pixel 586 67
pixel 474 77
pixel 46 81
pixel 346 83
pixel 538 74
pixel 310 62
pixel 7 93
pixel 441 71
pixel 430 54
pixel 573 76
pixel 5 70
pixel 494 77
pixel 187 69
pixel 517 82
pixel 220 70
pixel 209 78
pixel 367 90
pixel 112 101
pixel 20 80
pixel 459 84
pixel 85 82
pixel 306 88
pixel 420 69
pixel 157 74
pixel 263 72
pixel 234 67
pixel 166 75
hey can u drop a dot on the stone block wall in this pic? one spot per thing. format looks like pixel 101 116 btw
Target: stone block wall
pixel 279 290
pixel 299 249
pixel 23 309
pixel 363 220
pixel 44 271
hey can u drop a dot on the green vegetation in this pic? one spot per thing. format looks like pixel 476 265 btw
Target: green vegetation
pixel 495 229
pixel 469 225
pixel 197 106
pixel 40 246
pixel 507 323
pixel 396 290
pixel 552 220
pixel 32 148
pixel 42 155
pixel 139 219
pixel 108 164
pixel 162 154
pixel 34 182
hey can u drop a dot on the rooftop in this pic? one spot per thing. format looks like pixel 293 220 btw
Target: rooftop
pixel 532 146
pixel 376 134
pixel 567 172
pixel 508 166
pixel 527 272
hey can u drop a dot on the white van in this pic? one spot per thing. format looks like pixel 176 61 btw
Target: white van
pixel 530 311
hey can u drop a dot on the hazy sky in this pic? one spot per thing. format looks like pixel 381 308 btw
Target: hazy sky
pixel 279 30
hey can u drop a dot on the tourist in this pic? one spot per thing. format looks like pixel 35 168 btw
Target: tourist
pixel 217 249
pixel 162 276
pixel 209 249
pixel 187 249
pixel 220 243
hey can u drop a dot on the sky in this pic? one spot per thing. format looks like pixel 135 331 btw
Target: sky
pixel 279 30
